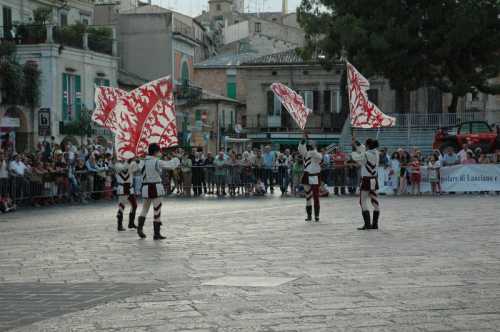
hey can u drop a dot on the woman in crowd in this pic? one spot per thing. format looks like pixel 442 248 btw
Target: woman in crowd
pixel 281 164
pixel 92 169
pixel 394 171
pixel 232 173
pixel 37 173
pixel 247 177
pixel 415 175
pixel 404 164
pixel 49 180
pixel 61 177
pixel 433 168
pixel 198 168
pixel 187 175
pixel 220 174
pixel 82 179
pixel 209 173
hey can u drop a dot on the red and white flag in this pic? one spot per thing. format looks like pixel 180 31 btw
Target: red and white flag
pixel 364 114
pixel 293 103
pixel 139 118
pixel 106 101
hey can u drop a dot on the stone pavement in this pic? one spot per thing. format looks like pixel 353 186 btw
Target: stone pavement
pixel 255 265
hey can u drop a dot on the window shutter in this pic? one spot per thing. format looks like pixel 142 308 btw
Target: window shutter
pixel 316 106
pixel 197 115
pixel 231 90
pixel 270 103
pixel 106 83
pixel 78 97
pixel 327 97
pixel 65 96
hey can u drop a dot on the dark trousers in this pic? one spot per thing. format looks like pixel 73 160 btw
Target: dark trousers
pixel 339 180
pixel 268 179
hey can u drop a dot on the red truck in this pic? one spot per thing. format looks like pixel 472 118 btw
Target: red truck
pixel 475 133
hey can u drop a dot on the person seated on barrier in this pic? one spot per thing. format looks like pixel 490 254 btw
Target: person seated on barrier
pixel 7 205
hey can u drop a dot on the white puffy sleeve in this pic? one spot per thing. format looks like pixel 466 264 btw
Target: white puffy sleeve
pixel 359 155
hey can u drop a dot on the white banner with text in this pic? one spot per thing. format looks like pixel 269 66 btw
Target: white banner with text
pixel 458 178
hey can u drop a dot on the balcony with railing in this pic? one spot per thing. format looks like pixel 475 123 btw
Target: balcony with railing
pixel 94 38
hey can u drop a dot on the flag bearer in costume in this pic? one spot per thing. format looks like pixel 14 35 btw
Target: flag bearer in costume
pixel 124 177
pixel 311 177
pixel 152 188
pixel 368 157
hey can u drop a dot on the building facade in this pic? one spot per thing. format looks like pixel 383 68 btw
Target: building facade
pixel 171 41
pixel 267 122
pixel 68 74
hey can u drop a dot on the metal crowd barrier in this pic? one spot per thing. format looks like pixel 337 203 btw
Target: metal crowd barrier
pixel 51 188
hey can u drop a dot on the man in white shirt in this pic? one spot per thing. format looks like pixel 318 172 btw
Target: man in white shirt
pixel 152 188
pixel 17 167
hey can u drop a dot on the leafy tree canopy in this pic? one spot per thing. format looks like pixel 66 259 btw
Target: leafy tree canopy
pixel 450 44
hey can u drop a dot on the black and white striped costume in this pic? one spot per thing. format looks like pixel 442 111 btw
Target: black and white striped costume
pixel 152 186
pixel 124 175
pixel 311 178
pixel 369 160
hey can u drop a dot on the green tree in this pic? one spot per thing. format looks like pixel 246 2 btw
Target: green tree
pixel 453 45
pixel 11 76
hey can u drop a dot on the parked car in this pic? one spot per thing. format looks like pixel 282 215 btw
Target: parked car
pixel 475 133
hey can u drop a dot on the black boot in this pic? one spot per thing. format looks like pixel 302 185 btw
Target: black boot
pixel 131 219
pixel 376 215
pixel 309 213
pixel 119 218
pixel 366 218
pixel 157 235
pixel 141 221
pixel 316 213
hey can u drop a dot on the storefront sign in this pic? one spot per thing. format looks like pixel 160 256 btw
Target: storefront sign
pixel 44 122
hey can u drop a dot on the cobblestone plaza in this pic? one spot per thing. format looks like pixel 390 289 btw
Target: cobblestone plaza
pixel 255 265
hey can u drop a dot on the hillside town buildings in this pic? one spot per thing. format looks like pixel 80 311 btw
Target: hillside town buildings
pixel 222 63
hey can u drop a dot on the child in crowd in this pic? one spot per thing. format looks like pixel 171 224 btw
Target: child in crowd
pixel 434 176
pixel 415 175
pixel 7 205
pixel 260 188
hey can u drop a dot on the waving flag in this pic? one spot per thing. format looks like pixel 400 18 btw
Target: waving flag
pixel 364 114
pixel 139 118
pixel 106 100
pixel 293 103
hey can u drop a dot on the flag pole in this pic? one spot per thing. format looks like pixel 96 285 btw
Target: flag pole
pixel 343 58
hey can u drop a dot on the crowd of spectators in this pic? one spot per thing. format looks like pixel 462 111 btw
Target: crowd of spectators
pixel 65 173
pixel 402 170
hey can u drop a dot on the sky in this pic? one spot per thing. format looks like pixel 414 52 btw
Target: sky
pixel 194 7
